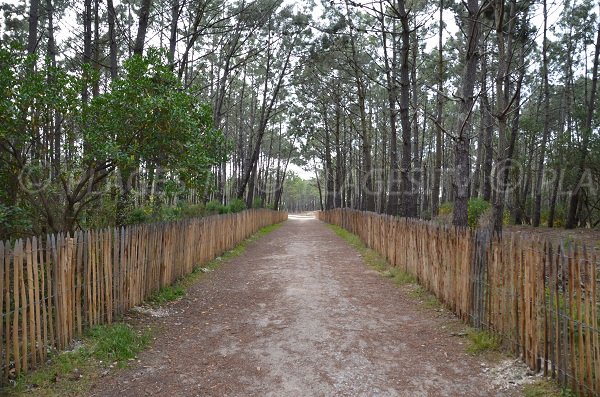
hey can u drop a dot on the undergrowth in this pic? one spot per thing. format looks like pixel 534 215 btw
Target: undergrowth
pixel 72 372
pixel 546 388
pixel 482 341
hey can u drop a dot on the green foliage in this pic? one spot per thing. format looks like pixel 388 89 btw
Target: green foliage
pixel 67 365
pixel 71 372
pixel 400 277
pixel 446 209
pixel 14 221
pixel 482 341
pixel 257 203
pixel 149 213
pixel 146 118
pixel 237 205
pixel 138 215
pixel 166 294
pixel 299 194
pixel 116 342
pixel 27 94
pixel 192 211
pixel 148 115
pixel 214 207
pixel 476 208
pixel 560 215
pixel 546 388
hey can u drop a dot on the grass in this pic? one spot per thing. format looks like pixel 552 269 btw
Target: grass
pixel 117 342
pixel 176 291
pixel 546 388
pixel 482 342
pixel 378 263
pixel 371 257
pixel 166 294
pixel 400 277
pixel 72 373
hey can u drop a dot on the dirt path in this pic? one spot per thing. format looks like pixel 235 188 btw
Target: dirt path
pixel 299 314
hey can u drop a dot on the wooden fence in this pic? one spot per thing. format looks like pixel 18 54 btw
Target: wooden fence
pixel 53 288
pixel 540 297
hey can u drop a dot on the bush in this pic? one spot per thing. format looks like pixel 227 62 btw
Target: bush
pixel 560 216
pixel 257 203
pixel 14 221
pixel 476 208
pixel 214 207
pixel 446 209
pixel 237 205
pixel 169 214
pixel 193 211
pixel 138 215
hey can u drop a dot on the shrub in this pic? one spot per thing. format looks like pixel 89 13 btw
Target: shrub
pixel 560 215
pixel 446 209
pixel 257 203
pixel 214 207
pixel 193 211
pixel 13 221
pixel 138 215
pixel 476 208
pixel 237 205
pixel 169 214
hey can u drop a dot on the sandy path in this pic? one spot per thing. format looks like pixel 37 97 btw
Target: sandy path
pixel 299 314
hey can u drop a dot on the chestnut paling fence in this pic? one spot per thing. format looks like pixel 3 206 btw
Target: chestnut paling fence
pixel 541 297
pixel 53 288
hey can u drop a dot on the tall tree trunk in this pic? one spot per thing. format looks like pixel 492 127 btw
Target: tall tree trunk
pixel 265 116
pixel 415 120
pixel 587 132
pixel 392 89
pixel 368 198
pixel 537 203
pixel 554 196
pixel 112 38
pixel 437 167
pixel 409 205
pixel 487 126
pixel 96 64
pixel 339 172
pixel 87 46
pixel 54 116
pixel 34 16
pixel 329 184
pixel 173 32
pixel 140 40
pixel 505 105
pixel 462 143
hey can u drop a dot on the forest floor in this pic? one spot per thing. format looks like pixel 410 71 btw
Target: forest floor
pixel 299 313
pixel 589 237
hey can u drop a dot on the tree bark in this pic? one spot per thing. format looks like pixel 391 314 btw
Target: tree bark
pixel 587 132
pixel 437 168
pixel 140 40
pixel 408 205
pixel 34 16
pixel 537 204
pixel 462 143
pixel 112 38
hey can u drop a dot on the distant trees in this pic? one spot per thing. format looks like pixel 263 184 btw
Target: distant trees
pixel 473 116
